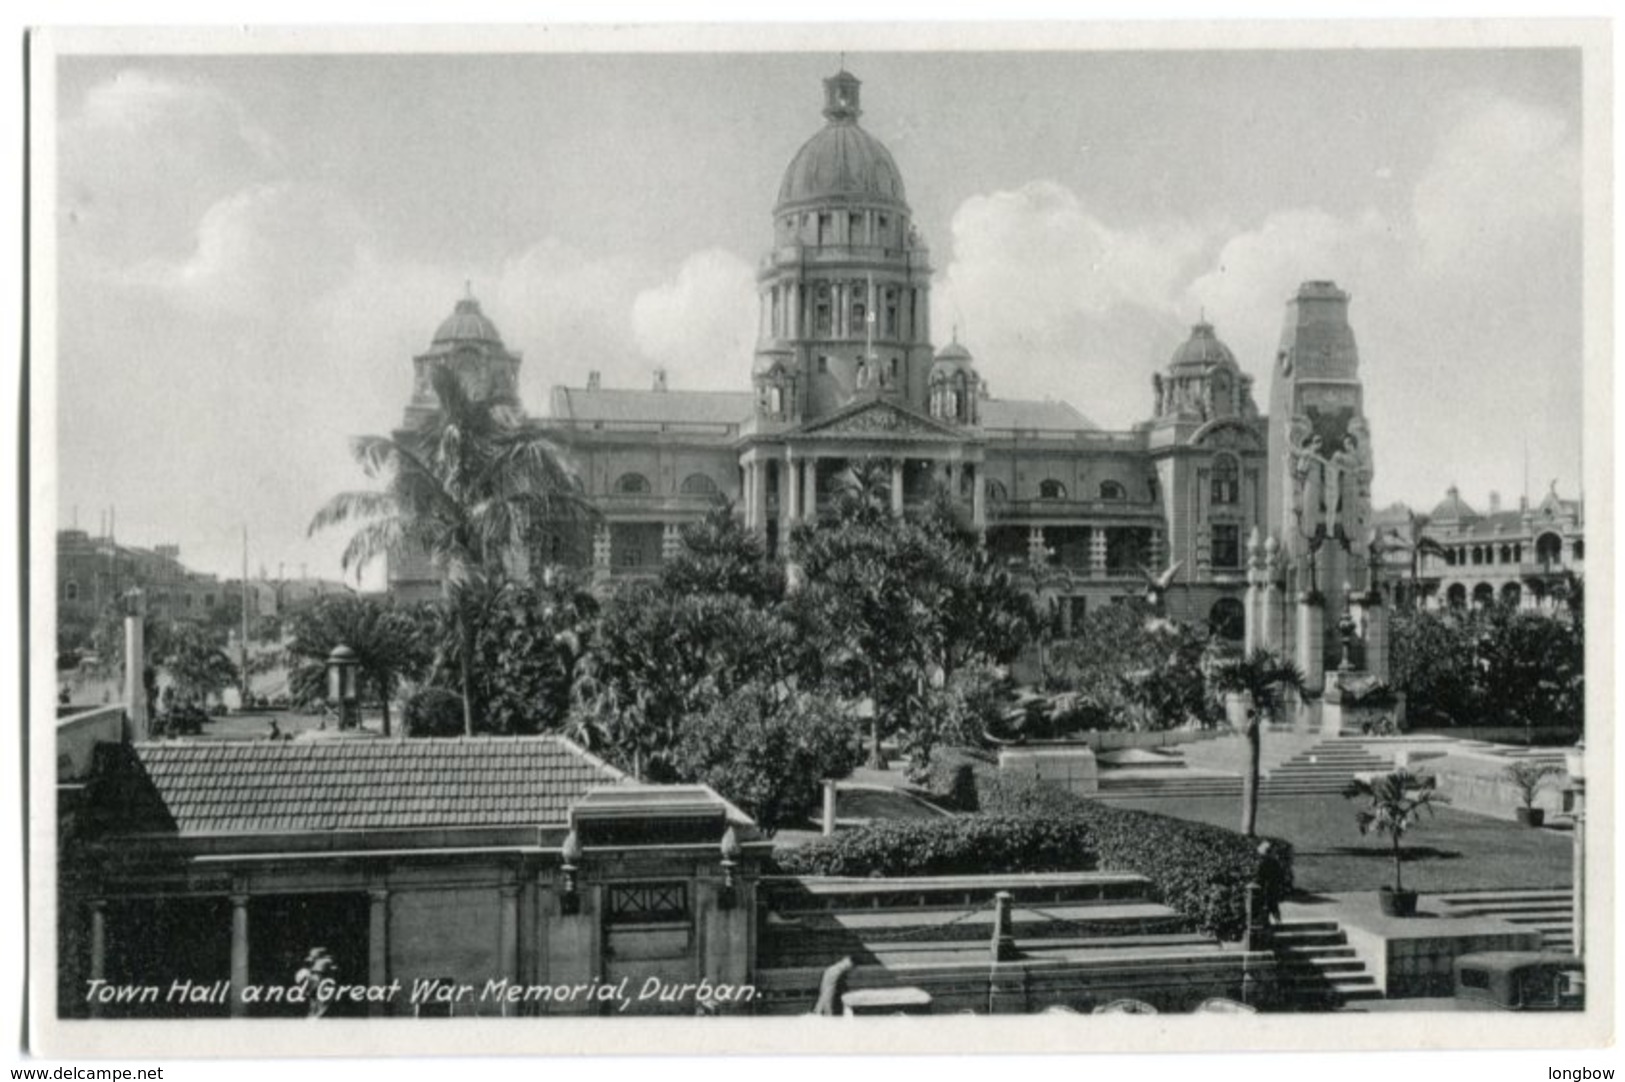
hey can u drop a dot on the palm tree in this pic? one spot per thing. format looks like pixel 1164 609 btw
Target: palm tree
pixel 1260 676
pixel 389 642
pixel 473 489
pixel 1395 802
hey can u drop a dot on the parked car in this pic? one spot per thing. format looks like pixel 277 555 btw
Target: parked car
pixel 1520 981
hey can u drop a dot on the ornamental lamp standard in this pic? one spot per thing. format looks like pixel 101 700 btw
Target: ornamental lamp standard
pixel 343 670
pixel 728 896
pixel 1575 760
pixel 570 854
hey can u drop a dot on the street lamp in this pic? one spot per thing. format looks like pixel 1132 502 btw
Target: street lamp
pixel 570 855
pixel 343 667
pixel 1575 760
pixel 728 896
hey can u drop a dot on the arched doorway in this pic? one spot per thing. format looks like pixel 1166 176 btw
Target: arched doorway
pixel 1512 595
pixel 1456 596
pixel 1549 550
pixel 1483 595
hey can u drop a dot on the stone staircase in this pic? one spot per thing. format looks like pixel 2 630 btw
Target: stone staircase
pixel 1316 968
pixel 1550 912
pixel 1324 769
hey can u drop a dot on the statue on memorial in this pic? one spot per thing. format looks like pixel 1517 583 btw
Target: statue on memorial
pixel 1157 394
pixel 1156 586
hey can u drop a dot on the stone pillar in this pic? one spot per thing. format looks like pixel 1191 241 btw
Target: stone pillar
pixel 508 937
pixel 1097 551
pixel 897 487
pixel 135 664
pixel 1253 628
pixel 1376 635
pixel 811 498
pixel 978 497
pixel 601 554
pixel 795 310
pixel 792 502
pixel 758 496
pixel 1311 638
pixel 98 948
pixel 830 801
pixel 1270 610
pixel 239 954
pixel 1003 945
pixel 377 945
pixel 671 541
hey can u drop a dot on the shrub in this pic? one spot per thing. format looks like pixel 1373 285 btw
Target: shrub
pixel 767 749
pixel 967 845
pixel 951 777
pixel 434 712
pixel 1198 869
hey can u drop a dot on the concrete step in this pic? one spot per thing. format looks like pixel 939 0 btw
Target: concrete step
pixel 1501 897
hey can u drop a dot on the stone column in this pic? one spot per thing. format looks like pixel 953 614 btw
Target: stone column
pixel 239 954
pixel 1310 645
pixel 1097 551
pixel 795 310
pixel 671 541
pixel 508 937
pixel 811 499
pixel 1253 627
pixel 377 945
pixel 758 496
pixel 978 497
pixel 135 664
pixel 1376 635
pixel 897 487
pixel 98 948
pixel 792 502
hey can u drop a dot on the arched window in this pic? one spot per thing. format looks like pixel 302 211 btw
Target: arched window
pixel 1549 549
pixel 698 484
pixel 632 484
pixel 775 399
pixel 1226 480
pixel 1227 619
pixel 996 492
pixel 1456 596
pixel 1111 490
pixel 1051 490
pixel 1483 595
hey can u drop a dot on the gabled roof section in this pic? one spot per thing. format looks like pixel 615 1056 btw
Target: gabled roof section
pixel 265 787
pixel 612 407
pixel 1034 414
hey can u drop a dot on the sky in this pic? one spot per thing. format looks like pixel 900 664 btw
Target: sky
pixel 251 249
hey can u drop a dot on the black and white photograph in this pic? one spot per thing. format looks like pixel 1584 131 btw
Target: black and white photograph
pixel 727 531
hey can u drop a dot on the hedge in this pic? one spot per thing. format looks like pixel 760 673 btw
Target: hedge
pixel 963 845
pixel 1199 870
pixel 1196 868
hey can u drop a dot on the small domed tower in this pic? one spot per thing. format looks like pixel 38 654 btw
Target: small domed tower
pixel 775 375
pixel 469 343
pixel 1203 382
pixel 956 389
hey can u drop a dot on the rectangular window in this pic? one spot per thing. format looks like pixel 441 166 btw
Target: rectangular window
pixel 823 366
pixel 1226 546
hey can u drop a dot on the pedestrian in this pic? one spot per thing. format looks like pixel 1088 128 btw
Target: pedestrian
pixel 1271 879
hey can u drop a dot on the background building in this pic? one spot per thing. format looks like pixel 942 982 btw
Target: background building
pixel 845 371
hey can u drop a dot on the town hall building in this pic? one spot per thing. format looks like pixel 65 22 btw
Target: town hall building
pixel 846 370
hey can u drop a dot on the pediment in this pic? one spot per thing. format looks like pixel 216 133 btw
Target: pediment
pixel 880 418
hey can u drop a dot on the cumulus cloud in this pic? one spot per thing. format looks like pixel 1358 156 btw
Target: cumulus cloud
pixel 701 323
pixel 144 156
pixel 1504 172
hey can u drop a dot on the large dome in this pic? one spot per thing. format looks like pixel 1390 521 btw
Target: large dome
pixel 467 324
pixel 1202 349
pixel 843 162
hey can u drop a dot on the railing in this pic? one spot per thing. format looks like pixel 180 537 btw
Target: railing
pixel 676 428
pixel 1041 508
pixel 1124 441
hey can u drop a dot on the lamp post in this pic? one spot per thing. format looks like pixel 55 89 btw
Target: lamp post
pixel 1574 760
pixel 570 854
pixel 342 669
pixel 728 896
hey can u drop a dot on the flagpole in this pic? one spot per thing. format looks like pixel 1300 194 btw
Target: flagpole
pixel 244 650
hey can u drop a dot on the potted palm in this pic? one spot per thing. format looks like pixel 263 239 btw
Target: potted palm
pixel 1527 776
pixel 1394 803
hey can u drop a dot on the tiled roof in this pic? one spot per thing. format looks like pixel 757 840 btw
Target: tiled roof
pixel 281 786
pixel 1031 413
pixel 679 407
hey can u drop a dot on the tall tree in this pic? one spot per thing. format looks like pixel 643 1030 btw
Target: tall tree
pixel 1262 677
pixel 473 489
pixel 719 555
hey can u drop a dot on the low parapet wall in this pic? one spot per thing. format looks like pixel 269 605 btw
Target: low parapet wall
pixel 1478 783
pixel 77 735
pixel 1173 983
pixel 1413 957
